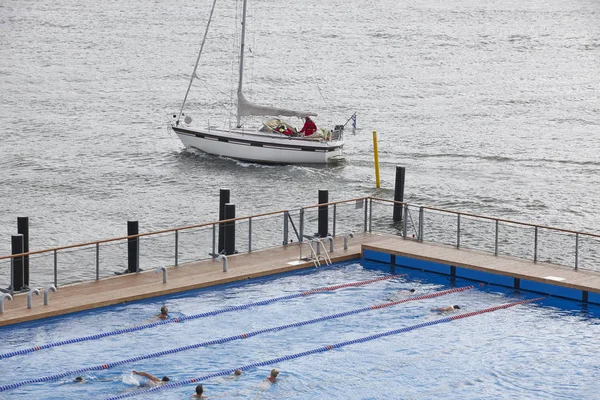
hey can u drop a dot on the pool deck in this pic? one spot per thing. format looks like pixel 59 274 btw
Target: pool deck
pixel 147 284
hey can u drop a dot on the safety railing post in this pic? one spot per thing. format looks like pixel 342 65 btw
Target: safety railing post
pixel 576 251
pixel 370 214
pixel 250 235
pixel 97 262
pixel 176 248
pixel 405 221
pixel 535 245
pixel 301 227
pixel 334 216
pixel 421 221
pixel 285 228
pixel 496 245
pixel 458 230
pixel 12 275
pixel 366 212
pixel 55 268
pixel 214 237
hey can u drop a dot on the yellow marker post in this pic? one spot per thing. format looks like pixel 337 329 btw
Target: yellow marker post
pixel 375 152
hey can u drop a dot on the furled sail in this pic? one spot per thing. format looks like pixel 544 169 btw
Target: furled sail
pixel 247 108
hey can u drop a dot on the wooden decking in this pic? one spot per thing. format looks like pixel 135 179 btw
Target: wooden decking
pixel 115 290
pixel 556 275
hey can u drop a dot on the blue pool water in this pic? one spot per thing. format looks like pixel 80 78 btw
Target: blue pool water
pixel 540 350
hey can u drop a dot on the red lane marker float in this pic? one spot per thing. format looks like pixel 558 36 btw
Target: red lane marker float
pixel 351 284
pixel 423 297
pixel 486 310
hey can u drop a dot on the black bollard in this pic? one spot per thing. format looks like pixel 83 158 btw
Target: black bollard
pixel 229 229
pixel 133 247
pixel 23 229
pixel 323 212
pixel 399 193
pixel 224 196
pixel 18 262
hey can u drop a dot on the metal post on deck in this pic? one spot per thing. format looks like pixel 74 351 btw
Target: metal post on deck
pixel 458 231
pixel 496 246
pixel 370 214
pixel 576 251
pixel 334 216
pixel 285 228
pixel 366 212
pixel 301 227
pixel 97 262
pixel 133 247
pixel 176 248
pixel 323 212
pixel 405 222
pixel 214 230
pixel 12 275
pixel 250 235
pixel 421 220
pixel 535 246
pixel 55 268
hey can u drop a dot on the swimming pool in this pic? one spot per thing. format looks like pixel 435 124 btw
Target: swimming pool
pixel 543 349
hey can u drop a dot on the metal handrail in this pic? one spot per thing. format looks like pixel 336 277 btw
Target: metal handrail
pixel 322 245
pixel 369 219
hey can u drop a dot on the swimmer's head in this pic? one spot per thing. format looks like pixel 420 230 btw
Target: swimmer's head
pixel 456 307
pixel 79 379
pixel 412 290
pixel 237 372
pixel 199 389
pixel 164 310
pixel 274 373
pixel 165 379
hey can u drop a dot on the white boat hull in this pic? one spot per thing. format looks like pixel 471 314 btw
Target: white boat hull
pixel 259 146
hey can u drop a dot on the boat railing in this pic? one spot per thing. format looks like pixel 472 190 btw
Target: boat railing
pixel 173 247
pixel 337 133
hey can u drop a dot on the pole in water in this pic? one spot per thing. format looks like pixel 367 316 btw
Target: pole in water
pixel 323 212
pixel 376 155
pixel 224 196
pixel 399 192
pixel 133 247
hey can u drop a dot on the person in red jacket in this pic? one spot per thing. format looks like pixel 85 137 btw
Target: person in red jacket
pixel 309 127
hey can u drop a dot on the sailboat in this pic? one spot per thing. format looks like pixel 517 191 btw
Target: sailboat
pixel 274 141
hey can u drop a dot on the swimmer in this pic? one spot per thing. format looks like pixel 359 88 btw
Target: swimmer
pixel 446 309
pixel 237 372
pixel 164 313
pixel 199 391
pixel 79 379
pixel 152 378
pixel 273 376
pixel 401 293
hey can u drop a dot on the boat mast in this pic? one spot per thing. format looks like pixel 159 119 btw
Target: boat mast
pixel 242 43
pixel 197 61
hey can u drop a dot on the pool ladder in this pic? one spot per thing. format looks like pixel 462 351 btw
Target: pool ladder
pixel 315 254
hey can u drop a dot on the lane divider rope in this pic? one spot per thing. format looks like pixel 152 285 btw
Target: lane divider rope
pixel 227 339
pixel 195 316
pixel 319 350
